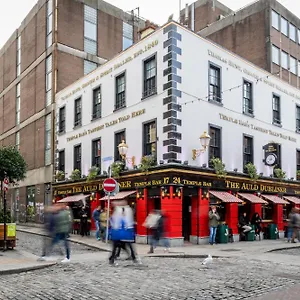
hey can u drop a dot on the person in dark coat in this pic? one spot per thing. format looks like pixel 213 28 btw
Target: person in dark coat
pixel 244 223
pixel 256 221
pixel 83 222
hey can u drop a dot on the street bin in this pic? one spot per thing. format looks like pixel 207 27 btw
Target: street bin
pixel 250 236
pixel 272 231
pixel 223 234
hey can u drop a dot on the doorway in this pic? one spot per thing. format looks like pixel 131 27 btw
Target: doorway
pixel 186 217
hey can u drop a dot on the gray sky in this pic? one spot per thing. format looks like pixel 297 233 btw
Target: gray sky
pixel 13 12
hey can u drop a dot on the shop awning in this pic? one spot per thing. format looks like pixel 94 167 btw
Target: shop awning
pixel 274 199
pixel 119 196
pixel 252 198
pixel 292 199
pixel 225 197
pixel 74 198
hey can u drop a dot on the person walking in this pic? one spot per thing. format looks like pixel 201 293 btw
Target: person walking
pixel 213 224
pixel 96 218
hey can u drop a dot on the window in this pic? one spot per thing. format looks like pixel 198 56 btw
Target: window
pixel 215 143
pixel 18 55
pixel 62 120
pixel 48 140
pixel 150 139
pixel 275 55
pixel 248 150
pixel 120 91
pixel 97 103
pixel 298 160
pixel 276 110
pixel 61 161
pixel 293 65
pixel 89 67
pixel 77 112
pixel 149 77
pixel 18 140
pixel 127 35
pixel 292 32
pixel 96 154
pixel 49 80
pixel 119 137
pixel 298 35
pixel 18 103
pixel 284 60
pixel 214 84
pixel 275 19
pixel 297 118
pixel 49 23
pixel 267 212
pixel 90 30
pixel 77 157
pixel 247 98
pixel 284 26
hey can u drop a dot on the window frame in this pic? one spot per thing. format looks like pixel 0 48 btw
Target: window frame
pixel 219 129
pixel 144 144
pixel 153 91
pixel 95 158
pixel 297 118
pixel 95 114
pixel 18 103
pixel 273 12
pixel 245 154
pixel 78 115
pixel 117 94
pixel 49 131
pixel 62 129
pixel 293 66
pixel 121 132
pixel 75 161
pixel 287 26
pixel 282 60
pixel 275 121
pixel 60 152
pixel 250 111
pixel 212 99
pixel 279 55
pixel 297 159
pixel 294 38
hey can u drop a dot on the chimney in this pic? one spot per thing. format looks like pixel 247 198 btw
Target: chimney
pixel 148 29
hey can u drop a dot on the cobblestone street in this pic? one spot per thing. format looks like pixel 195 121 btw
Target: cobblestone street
pixel 90 277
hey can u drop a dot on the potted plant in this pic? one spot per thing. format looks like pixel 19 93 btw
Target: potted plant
pixel 93 173
pixel 281 175
pixel 219 167
pixel 76 175
pixel 147 162
pixel 251 171
pixel 60 176
pixel 116 168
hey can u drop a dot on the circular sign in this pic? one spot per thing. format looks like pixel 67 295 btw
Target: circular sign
pixel 5 184
pixel 109 185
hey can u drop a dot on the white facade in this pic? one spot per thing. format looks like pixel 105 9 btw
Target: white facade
pixel 195 111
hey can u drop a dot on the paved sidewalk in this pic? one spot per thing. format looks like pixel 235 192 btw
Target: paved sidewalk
pixel 14 261
pixel 256 249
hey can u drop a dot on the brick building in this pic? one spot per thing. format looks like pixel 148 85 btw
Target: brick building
pixel 264 32
pixel 57 43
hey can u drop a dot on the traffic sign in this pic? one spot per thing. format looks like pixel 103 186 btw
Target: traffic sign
pixel 109 185
pixel 5 184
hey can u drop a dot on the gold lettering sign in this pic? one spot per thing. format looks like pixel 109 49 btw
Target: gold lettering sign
pixel 108 71
pixel 107 124
pixel 254 187
pixel 257 128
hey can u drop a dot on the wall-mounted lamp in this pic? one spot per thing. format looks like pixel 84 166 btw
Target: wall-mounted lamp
pixel 164 192
pixel 178 192
pixel 205 194
pixel 204 140
pixel 140 194
pixel 123 148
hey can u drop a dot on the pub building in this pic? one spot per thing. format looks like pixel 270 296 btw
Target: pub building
pixel 180 151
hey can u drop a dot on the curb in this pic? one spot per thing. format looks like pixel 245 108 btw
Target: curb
pixel 69 239
pixel 183 256
pixel 283 248
pixel 26 269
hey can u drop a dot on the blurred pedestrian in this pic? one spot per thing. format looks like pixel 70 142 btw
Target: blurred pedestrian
pixel 96 218
pixel 213 224
pixel 70 214
pixel 83 221
pixel 103 224
pixel 295 224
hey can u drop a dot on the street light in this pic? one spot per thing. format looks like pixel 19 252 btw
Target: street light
pixel 204 140
pixel 123 148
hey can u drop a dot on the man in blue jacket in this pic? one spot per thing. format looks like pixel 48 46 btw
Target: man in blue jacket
pixel 96 217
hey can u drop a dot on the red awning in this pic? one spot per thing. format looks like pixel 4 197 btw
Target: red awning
pixel 275 199
pixel 74 198
pixel 292 199
pixel 120 196
pixel 226 197
pixel 253 198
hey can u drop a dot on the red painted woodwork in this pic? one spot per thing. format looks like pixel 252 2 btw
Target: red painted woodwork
pixel 172 206
pixel 231 217
pixel 195 216
pixel 203 215
pixel 256 208
pixel 278 216
pixel 141 213
pixel 93 206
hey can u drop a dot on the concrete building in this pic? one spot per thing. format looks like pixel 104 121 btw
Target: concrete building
pixel 159 96
pixel 264 32
pixel 57 43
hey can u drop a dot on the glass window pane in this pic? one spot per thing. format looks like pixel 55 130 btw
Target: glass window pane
pixel 18 118
pixel 89 67
pixel 49 7
pixel 292 32
pixel 18 104
pixel 127 43
pixel 90 31
pixel 48 81
pixel 127 30
pixel 49 23
pixel 275 19
pixel 90 14
pixel 275 55
pixel 284 60
pixel 49 64
pixel 284 26
pixel 48 157
pixel 90 46
pixel 49 98
pixel 18 90
pixel 49 40
pixel 293 65
pixel 48 122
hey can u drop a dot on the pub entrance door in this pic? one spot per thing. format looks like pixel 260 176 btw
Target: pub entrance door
pixel 186 217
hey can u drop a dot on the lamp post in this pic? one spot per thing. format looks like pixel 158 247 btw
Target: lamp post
pixel 123 148
pixel 204 140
